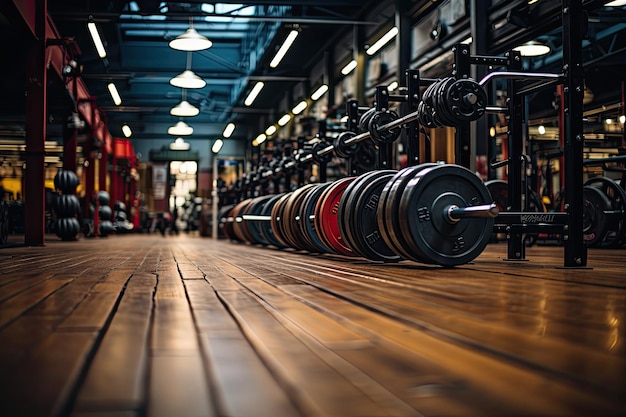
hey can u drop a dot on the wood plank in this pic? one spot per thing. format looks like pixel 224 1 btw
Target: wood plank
pixel 115 379
pixel 242 383
pixel 15 306
pixel 43 385
pixel 315 385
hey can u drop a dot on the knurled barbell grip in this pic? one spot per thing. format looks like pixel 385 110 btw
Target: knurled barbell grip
pixel 456 213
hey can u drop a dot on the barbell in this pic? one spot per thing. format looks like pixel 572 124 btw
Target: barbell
pixel 451 102
pixel 431 213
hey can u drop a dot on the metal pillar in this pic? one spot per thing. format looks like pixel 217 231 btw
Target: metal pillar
pixel 34 190
pixel 573 20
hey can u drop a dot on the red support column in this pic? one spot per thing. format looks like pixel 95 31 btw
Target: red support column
pixel 104 158
pixel 70 138
pixel 34 194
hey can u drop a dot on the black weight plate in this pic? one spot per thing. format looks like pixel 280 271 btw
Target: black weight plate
pixel 387 213
pixel 426 225
pixel 345 213
pixel 595 222
pixel 363 223
pixel 254 226
pixel 457 105
pixel 499 191
pixel 307 219
pixel 266 226
pixel 616 215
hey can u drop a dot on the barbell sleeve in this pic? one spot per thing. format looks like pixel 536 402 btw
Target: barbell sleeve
pixel 456 213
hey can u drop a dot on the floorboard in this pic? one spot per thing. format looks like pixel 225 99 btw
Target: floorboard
pixel 148 326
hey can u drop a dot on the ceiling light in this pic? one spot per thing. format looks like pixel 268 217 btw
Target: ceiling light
pixel 184 109
pixel 180 129
pixel 217 145
pixel 616 3
pixel 382 41
pixel 622 119
pixel 97 41
pixel 284 120
pixel 180 145
pixel 114 94
pixel 254 93
pixel 191 40
pixel 259 139
pixel 533 48
pixel 609 121
pixel 319 92
pixel 299 107
pixel 126 130
pixel 284 48
pixel 187 79
pixel 270 130
pixel 228 130
pixel 349 67
pixel 392 86
pixel 541 129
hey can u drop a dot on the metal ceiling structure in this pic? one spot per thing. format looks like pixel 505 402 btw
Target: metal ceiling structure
pixel 141 64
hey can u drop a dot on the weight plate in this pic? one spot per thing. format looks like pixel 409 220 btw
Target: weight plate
pixel 307 218
pixel 292 219
pixel 387 213
pixel 222 217
pixel 595 221
pixel 466 100
pixel 363 226
pixel 266 226
pixel 424 204
pixel 254 226
pixel 499 191
pixel 326 221
pixel 345 213
pixel 616 215
pixel 276 221
pixel 229 222
pixel 239 226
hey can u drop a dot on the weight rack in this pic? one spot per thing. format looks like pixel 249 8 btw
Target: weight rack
pixel 516 222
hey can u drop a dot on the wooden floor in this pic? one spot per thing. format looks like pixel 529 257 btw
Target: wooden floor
pixel 183 326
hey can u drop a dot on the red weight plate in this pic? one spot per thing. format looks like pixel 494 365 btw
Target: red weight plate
pixel 326 219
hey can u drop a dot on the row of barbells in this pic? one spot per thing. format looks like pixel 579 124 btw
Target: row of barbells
pixel 431 213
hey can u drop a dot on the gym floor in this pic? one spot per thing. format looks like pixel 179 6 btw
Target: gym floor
pixel 145 325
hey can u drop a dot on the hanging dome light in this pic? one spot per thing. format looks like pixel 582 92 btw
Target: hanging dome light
pixel 533 48
pixel 187 79
pixel 180 129
pixel 191 40
pixel 184 109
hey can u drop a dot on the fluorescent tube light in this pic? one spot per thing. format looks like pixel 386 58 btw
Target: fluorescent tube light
pixel 299 108
pixel 126 130
pixel 319 92
pixel 217 146
pixel 382 41
pixel 349 67
pixel 254 93
pixel 284 120
pixel 97 41
pixel 284 48
pixel 114 94
pixel 228 130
